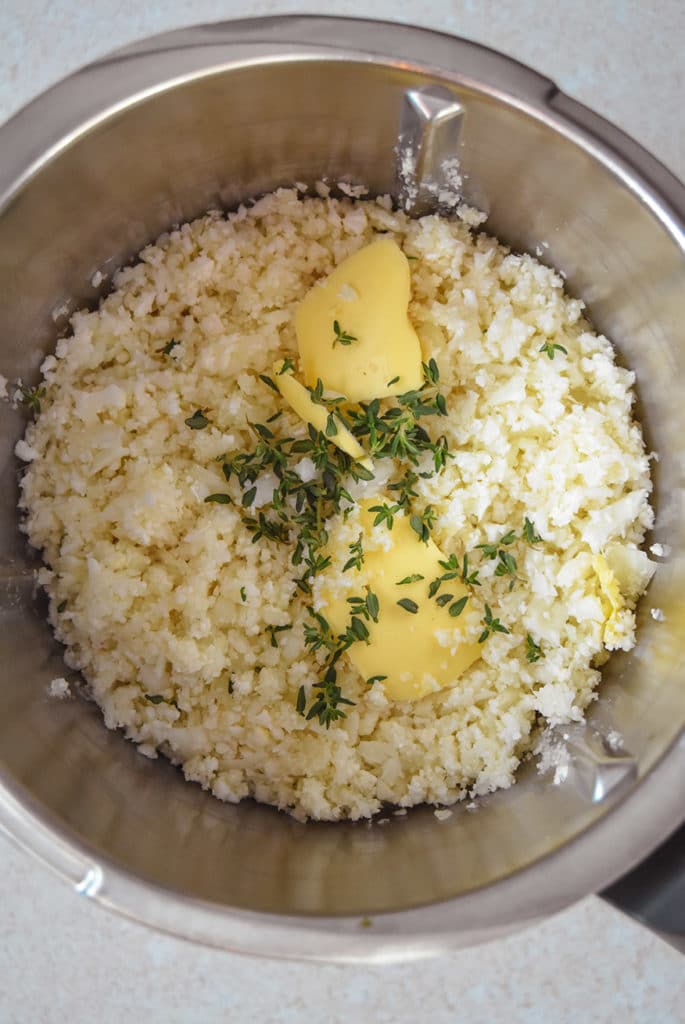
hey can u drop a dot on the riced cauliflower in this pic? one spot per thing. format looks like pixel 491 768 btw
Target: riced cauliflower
pixel 172 613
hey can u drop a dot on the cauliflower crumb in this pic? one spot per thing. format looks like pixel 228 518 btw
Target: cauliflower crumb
pixel 59 689
pixel 442 813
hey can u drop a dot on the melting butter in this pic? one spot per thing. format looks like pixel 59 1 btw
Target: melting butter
pixel 421 652
pixel 367 295
pixel 300 401
pixel 612 600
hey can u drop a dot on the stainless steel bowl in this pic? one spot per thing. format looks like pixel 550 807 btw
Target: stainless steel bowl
pixel 156 134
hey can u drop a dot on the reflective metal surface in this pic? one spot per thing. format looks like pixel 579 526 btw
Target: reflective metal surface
pixel 158 133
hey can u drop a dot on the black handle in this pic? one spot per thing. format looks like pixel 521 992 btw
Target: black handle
pixel 654 891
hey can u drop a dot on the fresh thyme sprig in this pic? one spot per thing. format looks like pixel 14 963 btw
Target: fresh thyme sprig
pixel 423 523
pixel 327 695
pixel 551 348
pixel 273 632
pixel 31 397
pixel 327 701
pixel 469 578
pixel 404 488
pixel 384 514
pixel 490 625
pixel 396 432
pixel 533 650
pixel 507 566
pixel 492 550
pixel 356 558
pixel 342 337
pixel 529 532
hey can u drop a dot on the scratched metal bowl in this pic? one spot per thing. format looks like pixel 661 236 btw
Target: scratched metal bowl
pixel 157 133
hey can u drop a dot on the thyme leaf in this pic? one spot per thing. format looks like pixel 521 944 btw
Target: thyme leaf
pixel 198 421
pixel 342 337
pixel 550 348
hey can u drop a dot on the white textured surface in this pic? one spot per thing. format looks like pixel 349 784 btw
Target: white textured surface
pixel 62 958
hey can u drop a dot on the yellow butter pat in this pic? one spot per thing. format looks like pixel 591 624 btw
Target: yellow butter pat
pixel 420 651
pixel 612 601
pixel 366 299
pixel 300 401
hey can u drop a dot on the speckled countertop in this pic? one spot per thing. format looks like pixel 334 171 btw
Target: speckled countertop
pixel 61 958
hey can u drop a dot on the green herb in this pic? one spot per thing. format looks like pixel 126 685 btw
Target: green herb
pixel 249 497
pixel 231 684
pixel 411 257
pixel 372 604
pixel 492 550
pixel 219 499
pixel 530 533
pixel 551 348
pixel 61 607
pixel 288 364
pixel 384 514
pixel 342 337
pixel 276 416
pixel 451 565
pixel 157 698
pixel 375 679
pixel 198 421
pixel 533 650
pixel 301 702
pixel 444 599
pixel 507 566
pixel 328 698
pixel 470 579
pixel 405 488
pixel 31 397
pixel 331 428
pixel 318 397
pixel 318 635
pixel 423 524
pixel 440 453
pixel 431 373
pixel 408 605
pixel 269 383
pixel 490 625
pixel 397 433
pixel 411 579
pixel 368 606
pixel 458 606
pixel 243 594
pixel 169 347
pixel 390 383
pixel 356 553
pixel 274 630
